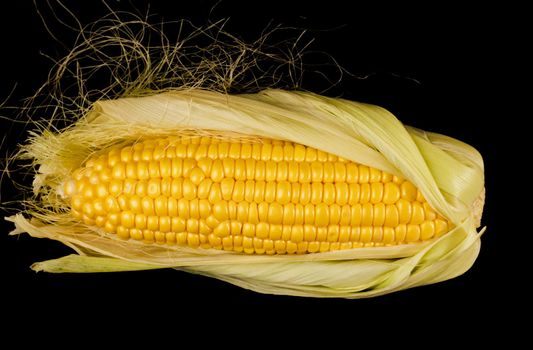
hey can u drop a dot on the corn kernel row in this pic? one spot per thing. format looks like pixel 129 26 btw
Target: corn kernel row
pixel 241 170
pixel 233 235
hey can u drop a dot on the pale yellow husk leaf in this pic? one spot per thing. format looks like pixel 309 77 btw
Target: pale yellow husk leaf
pixel 448 172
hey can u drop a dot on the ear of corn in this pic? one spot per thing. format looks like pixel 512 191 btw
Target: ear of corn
pixel 328 197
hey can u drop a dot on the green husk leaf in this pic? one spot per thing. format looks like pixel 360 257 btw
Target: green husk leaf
pixel 84 264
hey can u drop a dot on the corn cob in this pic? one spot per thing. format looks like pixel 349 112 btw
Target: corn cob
pixel 281 192
pixel 263 197
pixel 258 190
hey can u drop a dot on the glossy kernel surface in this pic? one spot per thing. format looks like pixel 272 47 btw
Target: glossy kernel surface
pixel 261 197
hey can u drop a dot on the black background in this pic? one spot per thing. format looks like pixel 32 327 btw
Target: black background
pixel 434 68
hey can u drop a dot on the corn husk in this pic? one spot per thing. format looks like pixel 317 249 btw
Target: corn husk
pixel 448 172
